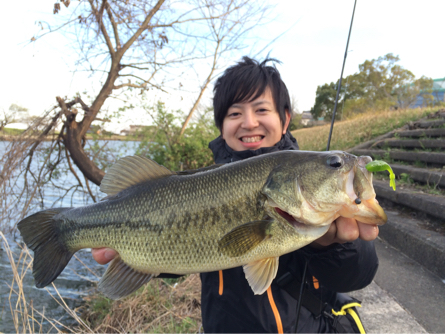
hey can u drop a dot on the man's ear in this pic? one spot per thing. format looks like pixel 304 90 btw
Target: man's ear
pixel 287 121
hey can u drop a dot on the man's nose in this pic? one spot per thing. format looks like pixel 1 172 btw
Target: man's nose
pixel 250 120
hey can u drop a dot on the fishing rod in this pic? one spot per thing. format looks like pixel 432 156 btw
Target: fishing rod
pixel 327 149
pixel 341 77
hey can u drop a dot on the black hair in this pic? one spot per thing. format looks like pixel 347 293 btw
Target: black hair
pixel 246 81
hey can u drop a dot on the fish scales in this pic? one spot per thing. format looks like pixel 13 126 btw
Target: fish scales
pixel 162 225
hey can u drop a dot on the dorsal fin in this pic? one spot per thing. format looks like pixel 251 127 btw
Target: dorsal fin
pixel 129 171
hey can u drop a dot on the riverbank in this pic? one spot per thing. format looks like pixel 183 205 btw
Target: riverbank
pixel 15 137
pixel 358 129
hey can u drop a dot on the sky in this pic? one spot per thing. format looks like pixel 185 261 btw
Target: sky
pixel 311 51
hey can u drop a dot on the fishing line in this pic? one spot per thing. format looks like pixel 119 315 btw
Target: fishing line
pixel 327 149
pixel 303 280
pixel 341 76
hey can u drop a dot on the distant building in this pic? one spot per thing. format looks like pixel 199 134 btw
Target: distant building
pixel 438 94
pixel 133 129
pixel 306 118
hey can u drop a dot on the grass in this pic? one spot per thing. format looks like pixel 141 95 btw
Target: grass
pixel 25 317
pixel 357 130
pixel 11 132
pixel 404 181
pixel 158 307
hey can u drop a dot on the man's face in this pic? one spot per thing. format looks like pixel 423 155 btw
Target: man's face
pixel 252 125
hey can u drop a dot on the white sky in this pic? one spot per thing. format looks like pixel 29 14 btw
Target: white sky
pixel 312 52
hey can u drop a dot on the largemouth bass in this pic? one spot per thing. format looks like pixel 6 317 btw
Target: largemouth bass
pixel 245 213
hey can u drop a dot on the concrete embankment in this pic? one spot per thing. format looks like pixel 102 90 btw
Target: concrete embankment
pixel 411 245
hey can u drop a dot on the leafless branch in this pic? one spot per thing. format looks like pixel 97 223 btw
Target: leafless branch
pixel 99 18
pixel 114 25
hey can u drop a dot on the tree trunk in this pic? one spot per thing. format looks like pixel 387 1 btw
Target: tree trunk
pixel 76 131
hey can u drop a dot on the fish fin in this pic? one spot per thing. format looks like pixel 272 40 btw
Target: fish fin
pixel 129 171
pixel 199 170
pixel 261 273
pixel 120 279
pixel 41 234
pixel 245 237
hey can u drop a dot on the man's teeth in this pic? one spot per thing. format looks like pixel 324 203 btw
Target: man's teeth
pixel 251 139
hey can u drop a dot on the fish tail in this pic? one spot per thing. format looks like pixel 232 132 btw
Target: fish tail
pixel 41 234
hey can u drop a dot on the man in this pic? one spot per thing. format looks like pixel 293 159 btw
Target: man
pixel 252 111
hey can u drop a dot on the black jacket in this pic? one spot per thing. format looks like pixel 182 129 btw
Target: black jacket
pixel 228 303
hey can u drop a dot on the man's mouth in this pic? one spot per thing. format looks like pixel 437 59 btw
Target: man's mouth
pixel 253 139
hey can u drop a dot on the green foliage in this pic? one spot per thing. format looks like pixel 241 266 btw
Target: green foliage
pixel 164 145
pixel 406 178
pixel 101 306
pixel 16 107
pixel 324 101
pixel 295 123
pixel 380 84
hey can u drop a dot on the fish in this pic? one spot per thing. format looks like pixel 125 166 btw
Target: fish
pixel 246 213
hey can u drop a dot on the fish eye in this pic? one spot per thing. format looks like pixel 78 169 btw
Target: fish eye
pixel 335 161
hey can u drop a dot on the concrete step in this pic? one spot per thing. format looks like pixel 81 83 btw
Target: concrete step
pixel 381 312
pixel 412 143
pixel 429 204
pixel 428 124
pixel 428 157
pixel 413 287
pixel 422 175
pixel 422 133
pixel 413 237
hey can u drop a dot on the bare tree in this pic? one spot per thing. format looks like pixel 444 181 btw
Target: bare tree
pixel 226 35
pixel 127 45
pixel 144 45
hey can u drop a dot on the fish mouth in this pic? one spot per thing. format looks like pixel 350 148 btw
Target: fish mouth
pixel 364 206
pixel 311 232
pixel 290 219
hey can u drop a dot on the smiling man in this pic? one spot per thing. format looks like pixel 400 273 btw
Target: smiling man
pixel 252 111
pixel 254 124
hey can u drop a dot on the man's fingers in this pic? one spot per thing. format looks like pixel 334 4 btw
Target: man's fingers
pixel 103 255
pixel 368 232
pixel 347 229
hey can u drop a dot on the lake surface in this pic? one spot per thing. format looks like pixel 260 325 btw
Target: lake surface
pixel 78 279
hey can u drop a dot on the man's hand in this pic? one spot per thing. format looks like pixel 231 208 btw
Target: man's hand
pixel 346 229
pixel 103 255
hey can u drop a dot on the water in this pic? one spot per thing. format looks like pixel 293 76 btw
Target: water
pixel 77 280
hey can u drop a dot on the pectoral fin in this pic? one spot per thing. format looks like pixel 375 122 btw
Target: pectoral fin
pixel 244 238
pixel 120 279
pixel 261 273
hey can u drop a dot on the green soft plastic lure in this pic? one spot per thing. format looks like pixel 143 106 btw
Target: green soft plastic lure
pixel 379 166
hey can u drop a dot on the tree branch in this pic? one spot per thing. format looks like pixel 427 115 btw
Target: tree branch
pixel 201 93
pixel 193 19
pixel 141 29
pixel 114 25
pixel 99 15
